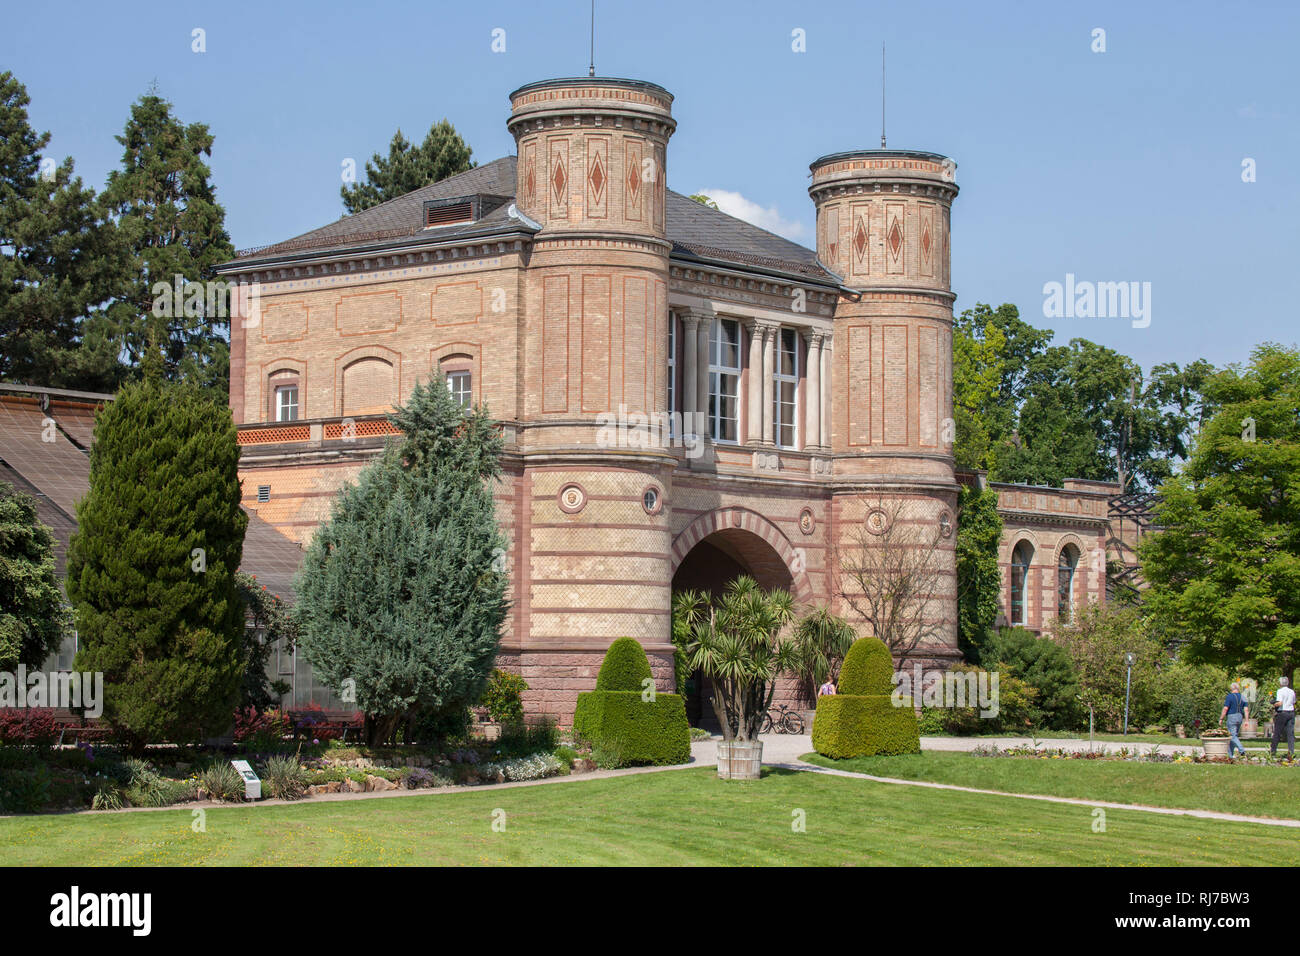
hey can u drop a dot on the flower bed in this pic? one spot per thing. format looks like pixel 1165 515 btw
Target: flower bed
pixel 35 779
pixel 1138 755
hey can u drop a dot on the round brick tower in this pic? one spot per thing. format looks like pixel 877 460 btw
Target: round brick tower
pixel 883 219
pixel 592 510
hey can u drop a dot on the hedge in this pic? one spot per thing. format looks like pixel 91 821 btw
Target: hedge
pixel 637 731
pixel 625 667
pixel 861 720
pixel 859 725
pixel 617 720
pixel 868 668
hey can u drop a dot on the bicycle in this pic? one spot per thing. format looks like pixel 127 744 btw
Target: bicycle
pixel 786 721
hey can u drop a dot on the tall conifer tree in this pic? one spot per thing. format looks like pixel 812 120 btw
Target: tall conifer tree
pixel 59 262
pixel 172 224
pixel 402 593
pixel 151 569
pixel 408 167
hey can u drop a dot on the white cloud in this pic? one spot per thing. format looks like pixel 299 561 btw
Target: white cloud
pixel 734 204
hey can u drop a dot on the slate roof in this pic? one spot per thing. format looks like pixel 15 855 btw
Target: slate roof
pixel 698 233
pixel 57 475
pixel 402 218
pixel 270 557
pixel 48 513
pixel 58 469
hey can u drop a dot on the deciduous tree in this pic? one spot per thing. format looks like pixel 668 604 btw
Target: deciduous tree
pixel 891 574
pixel 1224 570
pixel 979 579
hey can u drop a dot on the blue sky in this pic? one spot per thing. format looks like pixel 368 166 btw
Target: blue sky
pixel 1117 166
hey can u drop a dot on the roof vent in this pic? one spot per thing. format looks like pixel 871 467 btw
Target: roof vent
pixel 445 215
pixel 460 209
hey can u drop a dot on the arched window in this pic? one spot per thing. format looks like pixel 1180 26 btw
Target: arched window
pixel 1020 558
pixel 369 386
pixel 458 369
pixel 1065 583
pixel 285 393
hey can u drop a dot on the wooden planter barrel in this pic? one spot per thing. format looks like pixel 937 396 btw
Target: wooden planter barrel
pixel 1216 746
pixel 740 759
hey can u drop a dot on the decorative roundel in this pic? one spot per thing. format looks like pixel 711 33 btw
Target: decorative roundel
pixel 807 523
pixel 877 521
pixel 945 524
pixel 572 498
pixel 652 500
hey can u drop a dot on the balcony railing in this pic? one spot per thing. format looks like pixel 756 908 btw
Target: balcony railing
pixel 345 429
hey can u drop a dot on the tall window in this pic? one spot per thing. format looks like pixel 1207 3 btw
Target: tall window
pixel 784 419
pixel 459 384
pixel 672 372
pixel 724 380
pixel 1065 583
pixel 1020 559
pixel 286 403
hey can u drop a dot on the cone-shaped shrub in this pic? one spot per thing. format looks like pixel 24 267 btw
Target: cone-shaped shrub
pixel 868 668
pixel 861 720
pixel 625 667
pixel 626 719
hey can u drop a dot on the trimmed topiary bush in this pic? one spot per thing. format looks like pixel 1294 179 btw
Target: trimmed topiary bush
pixel 868 668
pixel 861 720
pixel 625 667
pixel 617 719
pixel 863 726
pixel 643 732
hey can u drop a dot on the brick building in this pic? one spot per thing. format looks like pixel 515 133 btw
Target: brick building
pixel 803 396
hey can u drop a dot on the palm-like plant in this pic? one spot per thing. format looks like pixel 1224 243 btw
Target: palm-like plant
pixel 735 642
pixel 821 639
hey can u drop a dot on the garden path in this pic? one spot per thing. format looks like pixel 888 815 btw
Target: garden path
pixel 785 751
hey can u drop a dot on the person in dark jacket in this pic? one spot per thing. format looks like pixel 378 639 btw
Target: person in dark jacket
pixel 1235 709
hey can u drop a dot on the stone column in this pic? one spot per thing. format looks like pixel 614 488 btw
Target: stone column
pixel 689 355
pixel 754 386
pixel 826 357
pixel 813 392
pixel 702 370
pixel 770 333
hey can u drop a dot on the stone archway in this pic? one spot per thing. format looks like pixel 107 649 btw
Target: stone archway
pixel 751 541
pixel 718 547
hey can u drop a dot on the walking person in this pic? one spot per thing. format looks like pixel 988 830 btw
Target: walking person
pixel 1284 719
pixel 1236 710
pixel 827 689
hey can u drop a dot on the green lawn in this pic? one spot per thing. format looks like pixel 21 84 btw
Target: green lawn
pixel 1233 788
pixel 671 818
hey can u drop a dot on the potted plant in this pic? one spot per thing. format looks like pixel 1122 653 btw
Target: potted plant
pixel 1182 713
pixel 1261 710
pixel 1249 691
pixel 1216 742
pixel 734 641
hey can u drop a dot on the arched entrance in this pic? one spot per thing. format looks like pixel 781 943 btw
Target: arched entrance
pixel 715 549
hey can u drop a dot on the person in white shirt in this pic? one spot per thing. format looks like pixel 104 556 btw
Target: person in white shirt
pixel 1284 719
